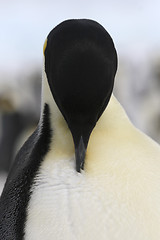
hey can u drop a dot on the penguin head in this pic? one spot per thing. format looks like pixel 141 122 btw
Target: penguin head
pixel 80 65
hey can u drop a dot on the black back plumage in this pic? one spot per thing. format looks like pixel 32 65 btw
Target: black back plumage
pixel 16 193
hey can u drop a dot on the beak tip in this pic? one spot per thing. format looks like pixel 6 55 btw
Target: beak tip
pixel 80 152
pixel 78 169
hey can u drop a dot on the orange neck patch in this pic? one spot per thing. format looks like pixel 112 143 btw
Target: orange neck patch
pixel 44 46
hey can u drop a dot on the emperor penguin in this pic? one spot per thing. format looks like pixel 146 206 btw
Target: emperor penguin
pixel 86 172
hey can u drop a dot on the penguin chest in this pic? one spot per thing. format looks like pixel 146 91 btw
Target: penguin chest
pixel 68 205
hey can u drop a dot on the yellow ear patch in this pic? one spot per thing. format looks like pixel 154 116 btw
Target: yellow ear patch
pixel 44 46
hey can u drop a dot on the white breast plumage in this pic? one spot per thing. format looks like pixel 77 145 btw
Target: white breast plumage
pixel 112 204
pixel 73 206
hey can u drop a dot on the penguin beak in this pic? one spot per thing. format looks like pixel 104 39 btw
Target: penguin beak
pixel 80 152
pixel 81 135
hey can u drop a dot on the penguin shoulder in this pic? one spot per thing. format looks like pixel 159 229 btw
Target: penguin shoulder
pixel 115 142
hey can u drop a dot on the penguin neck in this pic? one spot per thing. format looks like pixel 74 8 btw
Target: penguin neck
pixel 62 145
pixel 111 124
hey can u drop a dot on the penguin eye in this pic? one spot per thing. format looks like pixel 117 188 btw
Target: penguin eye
pixel 44 46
